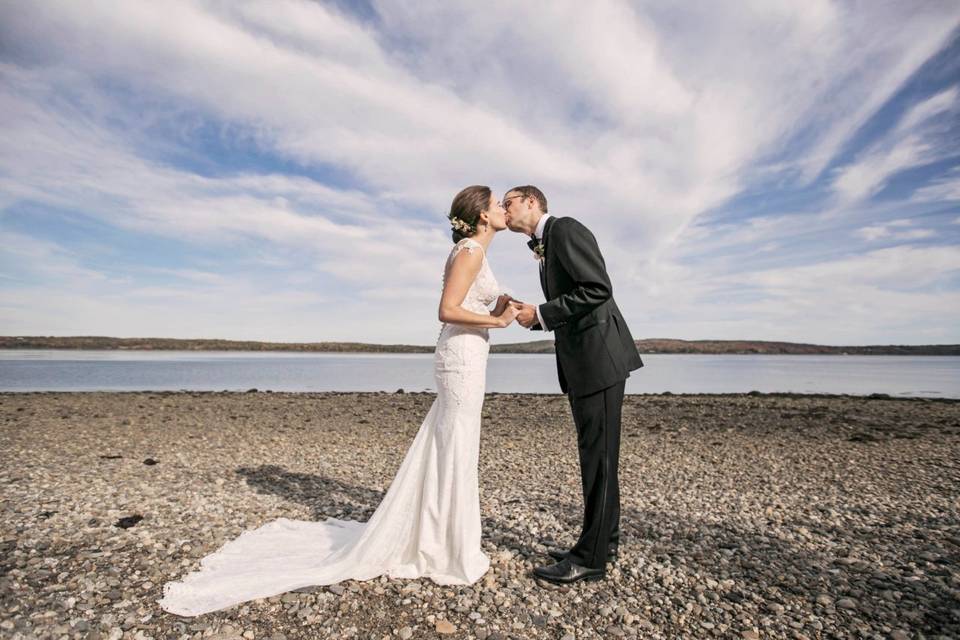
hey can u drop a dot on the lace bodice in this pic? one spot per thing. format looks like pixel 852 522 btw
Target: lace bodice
pixel 484 289
pixel 461 355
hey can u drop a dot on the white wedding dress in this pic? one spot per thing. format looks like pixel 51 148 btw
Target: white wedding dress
pixel 427 525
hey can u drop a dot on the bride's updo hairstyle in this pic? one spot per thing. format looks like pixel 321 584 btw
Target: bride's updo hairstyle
pixel 466 209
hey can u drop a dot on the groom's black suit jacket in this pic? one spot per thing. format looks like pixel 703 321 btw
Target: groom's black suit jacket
pixel 593 344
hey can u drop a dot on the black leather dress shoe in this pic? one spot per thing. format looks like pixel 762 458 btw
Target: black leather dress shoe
pixel 566 572
pixel 560 554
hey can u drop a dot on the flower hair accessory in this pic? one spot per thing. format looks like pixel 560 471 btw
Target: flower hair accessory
pixel 461 225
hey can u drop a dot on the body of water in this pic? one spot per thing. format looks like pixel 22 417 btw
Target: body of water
pixel 68 370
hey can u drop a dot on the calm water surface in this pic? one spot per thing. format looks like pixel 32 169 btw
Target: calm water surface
pixel 67 370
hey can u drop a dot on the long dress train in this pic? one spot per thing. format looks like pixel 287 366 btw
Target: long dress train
pixel 427 525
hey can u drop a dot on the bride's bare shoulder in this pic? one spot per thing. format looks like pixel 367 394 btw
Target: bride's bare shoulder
pixel 469 244
pixel 467 247
pixel 465 256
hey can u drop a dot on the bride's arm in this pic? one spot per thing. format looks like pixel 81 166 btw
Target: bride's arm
pixel 466 265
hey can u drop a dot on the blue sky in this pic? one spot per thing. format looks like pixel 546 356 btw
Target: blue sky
pixel 281 170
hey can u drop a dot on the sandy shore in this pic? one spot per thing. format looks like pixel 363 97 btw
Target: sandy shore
pixel 744 516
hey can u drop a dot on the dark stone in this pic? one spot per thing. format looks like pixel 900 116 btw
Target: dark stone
pixel 310 589
pixel 128 521
pixel 150 461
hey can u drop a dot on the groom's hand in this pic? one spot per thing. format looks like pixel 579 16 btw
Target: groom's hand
pixel 527 316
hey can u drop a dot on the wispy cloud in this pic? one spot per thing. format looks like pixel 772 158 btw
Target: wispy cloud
pixel 915 141
pixel 894 230
pixel 295 161
pixel 944 189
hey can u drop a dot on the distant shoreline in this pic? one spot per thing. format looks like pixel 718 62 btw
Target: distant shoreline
pixel 647 346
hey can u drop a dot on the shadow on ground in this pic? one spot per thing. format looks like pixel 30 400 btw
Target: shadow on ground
pixel 766 570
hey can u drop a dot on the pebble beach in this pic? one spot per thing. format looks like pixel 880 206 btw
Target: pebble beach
pixel 742 516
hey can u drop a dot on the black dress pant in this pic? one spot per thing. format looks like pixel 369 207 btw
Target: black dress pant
pixel 597 417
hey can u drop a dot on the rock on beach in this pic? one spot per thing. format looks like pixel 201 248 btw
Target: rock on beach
pixel 743 516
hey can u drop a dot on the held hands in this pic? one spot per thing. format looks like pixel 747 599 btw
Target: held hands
pixel 526 313
pixel 509 309
pixel 507 315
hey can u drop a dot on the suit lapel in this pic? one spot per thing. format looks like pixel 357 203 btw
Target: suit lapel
pixel 546 257
pixel 543 277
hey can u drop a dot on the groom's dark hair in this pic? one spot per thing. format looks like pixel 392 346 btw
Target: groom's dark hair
pixel 530 191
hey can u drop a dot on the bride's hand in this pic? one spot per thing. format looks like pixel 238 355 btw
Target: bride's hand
pixel 508 315
pixel 502 302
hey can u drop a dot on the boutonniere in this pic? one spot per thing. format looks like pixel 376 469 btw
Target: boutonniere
pixel 536 246
pixel 538 251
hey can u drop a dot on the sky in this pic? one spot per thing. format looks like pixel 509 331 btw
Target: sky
pixel 281 170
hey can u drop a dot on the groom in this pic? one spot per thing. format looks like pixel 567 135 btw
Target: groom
pixel 595 354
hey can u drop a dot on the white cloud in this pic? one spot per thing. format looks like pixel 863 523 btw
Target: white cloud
pixel 26 259
pixel 635 117
pixel 663 97
pixel 916 234
pixel 873 232
pixel 885 49
pixel 872 298
pixel 48 160
pixel 889 231
pixel 900 222
pixel 867 176
pixel 946 188
pixel 902 267
pixel 914 141
pixel 935 105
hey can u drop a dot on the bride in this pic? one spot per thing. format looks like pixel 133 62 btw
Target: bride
pixel 428 523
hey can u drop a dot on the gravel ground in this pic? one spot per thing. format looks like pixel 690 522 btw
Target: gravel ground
pixel 743 516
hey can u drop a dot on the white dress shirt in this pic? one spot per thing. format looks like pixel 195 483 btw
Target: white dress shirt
pixel 538 233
